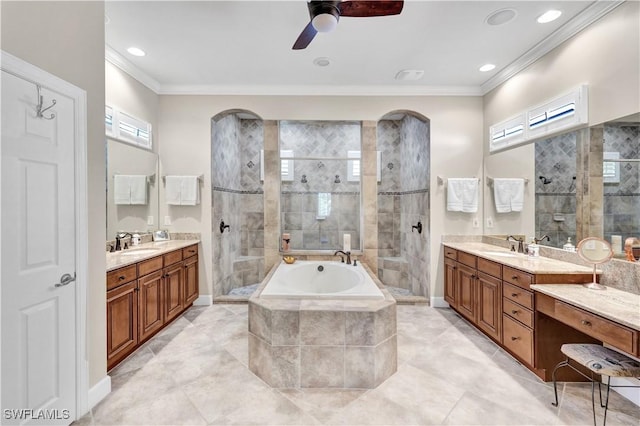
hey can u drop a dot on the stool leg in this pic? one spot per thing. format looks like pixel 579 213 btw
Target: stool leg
pixel 606 404
pixel 593 399
pixel 553 377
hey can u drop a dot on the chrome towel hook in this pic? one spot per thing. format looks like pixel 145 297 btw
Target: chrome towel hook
pixel 39 110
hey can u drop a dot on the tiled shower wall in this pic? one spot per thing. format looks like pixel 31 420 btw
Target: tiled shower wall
pixel 300 198
pixel 403 201
pixel 556 201
pixel 236 188
pixel 622 200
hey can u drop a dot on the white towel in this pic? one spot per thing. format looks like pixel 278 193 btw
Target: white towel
pixel 508 194
pixel 173 189
pixel 121 190
pixel 138 189
pixel 462 195
pixel 190 191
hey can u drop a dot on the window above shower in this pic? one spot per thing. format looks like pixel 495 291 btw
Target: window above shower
pixel 322 202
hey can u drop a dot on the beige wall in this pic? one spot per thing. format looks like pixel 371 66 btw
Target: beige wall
pixel 67 40
pixel 456 149
pixel 606 56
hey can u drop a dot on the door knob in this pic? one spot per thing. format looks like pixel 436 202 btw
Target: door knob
pixel 66 279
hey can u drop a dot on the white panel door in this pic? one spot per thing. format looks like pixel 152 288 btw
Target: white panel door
pixel 38 248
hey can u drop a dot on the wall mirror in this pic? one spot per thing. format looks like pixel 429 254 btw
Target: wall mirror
pixel 595 251
pixel 127 160
pixel 320 191
pixel 552 166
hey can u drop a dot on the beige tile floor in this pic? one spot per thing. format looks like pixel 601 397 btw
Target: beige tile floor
pixel 195 372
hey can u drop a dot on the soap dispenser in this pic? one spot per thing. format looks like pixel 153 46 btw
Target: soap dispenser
pixel 568 246
pixel 534 248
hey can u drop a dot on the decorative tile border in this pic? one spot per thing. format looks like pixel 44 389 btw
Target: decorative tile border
pixel 236 191
pixel 415 191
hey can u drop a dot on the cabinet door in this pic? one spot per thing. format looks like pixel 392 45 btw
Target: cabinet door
pixel 150 303
pixel 173 291
pixel 466 292
pixel 190 280
pixel 450 282
pixel 122 322
pixel 490 306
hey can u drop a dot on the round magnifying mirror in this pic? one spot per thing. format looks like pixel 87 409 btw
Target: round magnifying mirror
pixel 596 251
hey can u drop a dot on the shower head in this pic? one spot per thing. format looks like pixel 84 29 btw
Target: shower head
pixel 545 181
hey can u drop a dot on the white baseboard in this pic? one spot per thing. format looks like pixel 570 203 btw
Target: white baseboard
pixel 99 391
pixel 203 300
pixel 632 394
pixel 438 302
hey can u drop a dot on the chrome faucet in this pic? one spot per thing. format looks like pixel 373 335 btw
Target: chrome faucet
pixel 538 240
pixel 520 243
pixel 348 254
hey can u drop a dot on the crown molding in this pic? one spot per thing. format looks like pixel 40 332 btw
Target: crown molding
pixel 591 14
pixel 116 59
pixel 301 90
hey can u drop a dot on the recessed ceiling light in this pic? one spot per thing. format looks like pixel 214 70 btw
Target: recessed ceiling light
pixel 322 62
pixel 135 51
pixel 548 16
pixel 487 67
pixel 410 75
pixel 501 16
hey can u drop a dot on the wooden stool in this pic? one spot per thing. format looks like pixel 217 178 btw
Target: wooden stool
pixel 598 360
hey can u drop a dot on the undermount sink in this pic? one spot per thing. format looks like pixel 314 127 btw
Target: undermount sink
pixel 138 252
pixel 501 253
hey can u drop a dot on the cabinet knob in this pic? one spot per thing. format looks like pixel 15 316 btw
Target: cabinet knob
pixel 121 277
pixel 514 294
pixel 515 338
pixel 192 251
pixel 455 267
pixel 585 323
pixel 514 311
pixel 514 277
pixel 473 276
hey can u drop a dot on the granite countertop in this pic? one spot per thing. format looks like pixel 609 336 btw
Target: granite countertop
pixel 534 265
pixel 617 305
pixel 145 251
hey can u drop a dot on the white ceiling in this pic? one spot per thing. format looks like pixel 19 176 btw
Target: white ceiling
pixel 244 47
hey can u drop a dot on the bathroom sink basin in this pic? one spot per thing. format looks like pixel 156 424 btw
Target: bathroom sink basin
pixel 501 253
pixel 138 252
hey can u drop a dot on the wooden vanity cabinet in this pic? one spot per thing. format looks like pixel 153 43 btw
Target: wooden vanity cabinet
pixel 144 297
pixel 450 279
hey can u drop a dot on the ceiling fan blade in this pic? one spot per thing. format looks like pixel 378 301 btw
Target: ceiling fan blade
pixel 362 8
pixel 305 37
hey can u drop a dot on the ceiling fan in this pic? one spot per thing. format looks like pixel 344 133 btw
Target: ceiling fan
pixel 325 15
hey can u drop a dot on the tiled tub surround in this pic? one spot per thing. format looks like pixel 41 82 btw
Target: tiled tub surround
pixel 237 199
pixel 330 343
pixel 403 201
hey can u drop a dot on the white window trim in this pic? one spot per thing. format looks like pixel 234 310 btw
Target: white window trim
pixel 354 167
pixel 120 118
pixel 612 166
pixel 286 165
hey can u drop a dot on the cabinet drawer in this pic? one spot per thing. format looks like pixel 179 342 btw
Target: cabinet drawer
pixel 148 266
pixel 518 339
pixel 514 276
pixel 121 276
pixel 467 259
pixel 173 257
pixel 518 295
pixel 189 251
pixel 516 311
pixel 600 328
pixel 450 253
pixel 488 267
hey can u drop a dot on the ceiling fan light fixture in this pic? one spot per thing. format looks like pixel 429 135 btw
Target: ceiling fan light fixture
pixel 325 22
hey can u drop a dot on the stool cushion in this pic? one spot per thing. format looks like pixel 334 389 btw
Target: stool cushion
pixel 602 360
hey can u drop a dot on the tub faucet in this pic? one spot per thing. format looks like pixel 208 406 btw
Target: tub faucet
pixel 348 254
pixel 520 243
